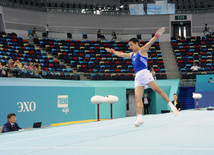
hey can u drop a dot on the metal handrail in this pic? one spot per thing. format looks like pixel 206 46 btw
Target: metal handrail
pixel 83 73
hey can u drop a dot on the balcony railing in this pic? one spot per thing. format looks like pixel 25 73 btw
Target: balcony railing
pixel 97 11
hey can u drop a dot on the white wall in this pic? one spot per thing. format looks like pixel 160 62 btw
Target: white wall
pixel 198 34
pixel 77 36
pixel 165 37
pixel 83 23
pixel 126 27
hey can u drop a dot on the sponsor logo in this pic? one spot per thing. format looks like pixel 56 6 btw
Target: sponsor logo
pixel 62 102
pixel 26 106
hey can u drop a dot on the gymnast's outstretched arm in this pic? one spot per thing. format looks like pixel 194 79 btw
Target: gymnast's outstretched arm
pixel 146 47
pixel 119 54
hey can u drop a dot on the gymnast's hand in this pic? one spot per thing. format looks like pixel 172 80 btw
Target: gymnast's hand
pixel 160 31
pixel 109 50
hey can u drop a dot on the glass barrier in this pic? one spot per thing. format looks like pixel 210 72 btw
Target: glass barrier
pixel 18 5
pixel 37 73
pixel 195 10
pixel 188 80
pixel 77 74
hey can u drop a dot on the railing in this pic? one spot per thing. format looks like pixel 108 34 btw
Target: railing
pixel 195 10
pixel 22 73
pixel 95 11
pixel 27 73
pixel 196 72
pixel 18 5
pixel 65 10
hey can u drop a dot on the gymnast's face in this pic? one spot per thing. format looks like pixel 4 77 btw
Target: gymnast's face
pixel 133 46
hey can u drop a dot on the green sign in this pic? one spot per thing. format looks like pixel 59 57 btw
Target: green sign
pixel 183 17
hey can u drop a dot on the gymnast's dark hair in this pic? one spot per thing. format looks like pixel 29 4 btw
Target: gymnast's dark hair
pixel 134 40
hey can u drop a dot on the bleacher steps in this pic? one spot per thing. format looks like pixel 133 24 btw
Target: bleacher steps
pixel 169 61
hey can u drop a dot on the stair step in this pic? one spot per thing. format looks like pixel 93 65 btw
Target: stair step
pixel 169 61
pixel 185 96
pixel 61 62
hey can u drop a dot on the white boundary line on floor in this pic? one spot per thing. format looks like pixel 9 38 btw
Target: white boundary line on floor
pixel 148 148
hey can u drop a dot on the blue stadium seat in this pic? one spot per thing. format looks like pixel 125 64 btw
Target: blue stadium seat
pixel 154 58
pixel 102 67
pixel 80 58
pixel 159 55
pixel 190 58
pixel 201 69
pixel 207 68
pixel 108 66
pixel 87 56
pixel 51 61
pixel 59 69
pixel 44 56
pixel 123 71
pixel 209 53
pixel 95 70
pixel 101 71
pixel 109 59
pixel 64 70
pixel 112 70
pixel 209 65
pixel 183 70
pixel 203 57
pixel 69 70
pixel 162 70
pixel 70 54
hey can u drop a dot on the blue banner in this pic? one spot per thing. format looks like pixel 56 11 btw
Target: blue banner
pixel 136 9
pixel 161 7
pixel 171 8
pixel 151 9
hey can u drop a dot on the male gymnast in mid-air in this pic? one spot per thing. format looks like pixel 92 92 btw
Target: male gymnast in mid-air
pixel 143 78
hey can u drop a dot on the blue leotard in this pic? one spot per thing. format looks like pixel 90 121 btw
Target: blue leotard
pixel 139 62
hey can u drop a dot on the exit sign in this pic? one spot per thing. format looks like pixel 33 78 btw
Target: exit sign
pixel 184 17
